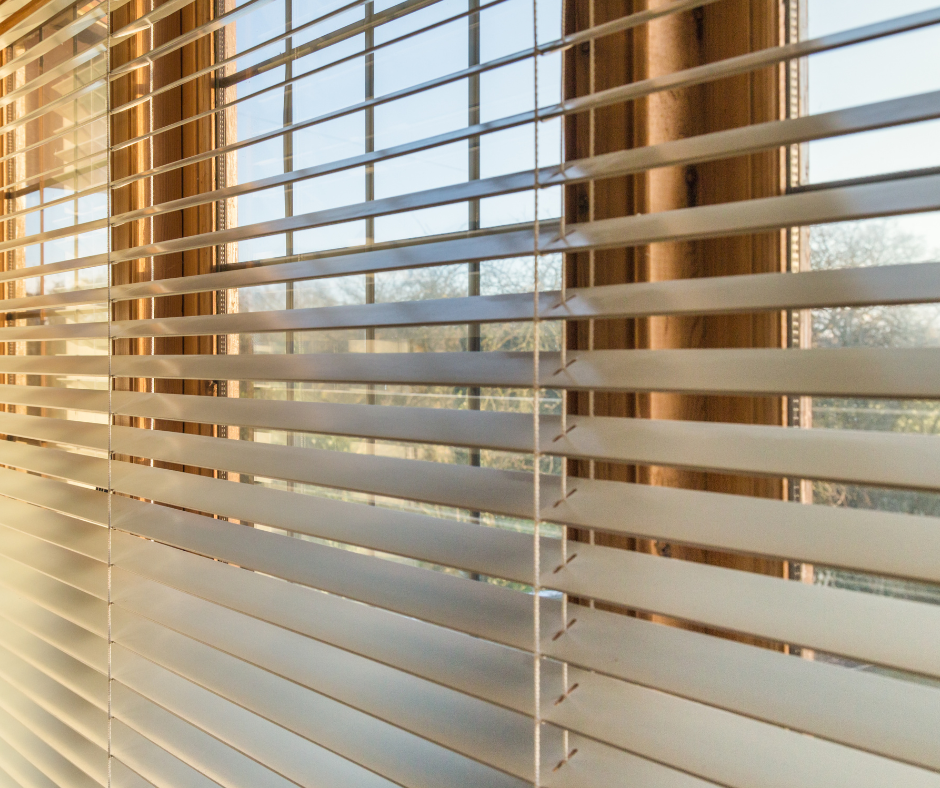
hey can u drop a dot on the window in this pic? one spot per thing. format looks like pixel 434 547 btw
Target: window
pixel 468 392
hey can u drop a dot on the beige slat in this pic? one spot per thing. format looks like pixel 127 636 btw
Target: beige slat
pixel 70 533
pixel 61 398
pixel 62 703
pixel 828 619
pixel 729 748
pixel 843 372
pixel 89 758
pixel 98 330
pixel 697 149
pixel 153 763
pixel 58 496
pixel 42 428
pixel 485 610
pixel 494 736
pixel 891 717
pixel 304 712
pixel 751 61
pixel 125 777
pixel 873 541
pixel 221 63
pixel 55 596
pixel 66 465
pixel 863 201
pixel 71 639
pixel 42 755
pixel 93 366
pixel 802 756
pixel 710 72
pixel 82 573
pixel 917 283
pixel 90 295
pixel 861 540
pixel 885 459
pixel 187 37
pixel 191 745
pixel 19 768
pixel 292 755
pixel 841 203
pixel 7 781
pixel 35 19
pixel 84 681
pixel 781 618
pixel 495 244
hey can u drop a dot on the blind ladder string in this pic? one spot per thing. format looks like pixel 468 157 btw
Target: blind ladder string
pixel 563 431
pixel 536 448
pixel 592 125
pixel 108 144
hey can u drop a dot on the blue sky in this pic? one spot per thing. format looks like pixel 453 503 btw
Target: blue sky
pixel 878 70
pixel 901 65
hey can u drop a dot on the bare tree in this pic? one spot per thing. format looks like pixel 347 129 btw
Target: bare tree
pixel 868 244
pixel 856 245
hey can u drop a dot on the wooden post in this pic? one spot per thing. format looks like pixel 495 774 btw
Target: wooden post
pixel 126 125
pixel 674 43
pixel 191 98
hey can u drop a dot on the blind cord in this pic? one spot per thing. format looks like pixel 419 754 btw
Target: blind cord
pixel 536 448
pixel 110 390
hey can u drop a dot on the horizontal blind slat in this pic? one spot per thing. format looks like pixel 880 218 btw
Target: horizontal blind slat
pixel 836 204
pixel 18 766
pixel 68 499
pixel 82 573
pixel 79 643
pixel 488 734
pixel 477 608
pixel 88 758
pixel 65 601
pixel 63 464
pixel 192 745
pixel 709 742
pixel 220 64
pixel 751 61
pixel 514 242
pixel 116 72
pixel 70 533
pixel 827 619
pixel 700 148
pixel 899 373
pixel 854 287
pixel 152 762
pixel 841 203
pixel 308 714
pixel 19 648
pixel 891 716
pixel 612 716
pixel 124 777
pixel 844 455
pixel 60 701
pixel 892 543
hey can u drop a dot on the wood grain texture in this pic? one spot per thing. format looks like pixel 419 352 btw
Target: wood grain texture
pixel 19 15
pixel 718 31
pixel 126 125
pixel 171 106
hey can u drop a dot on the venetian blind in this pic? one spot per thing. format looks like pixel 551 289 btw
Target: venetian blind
pixel 419 394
